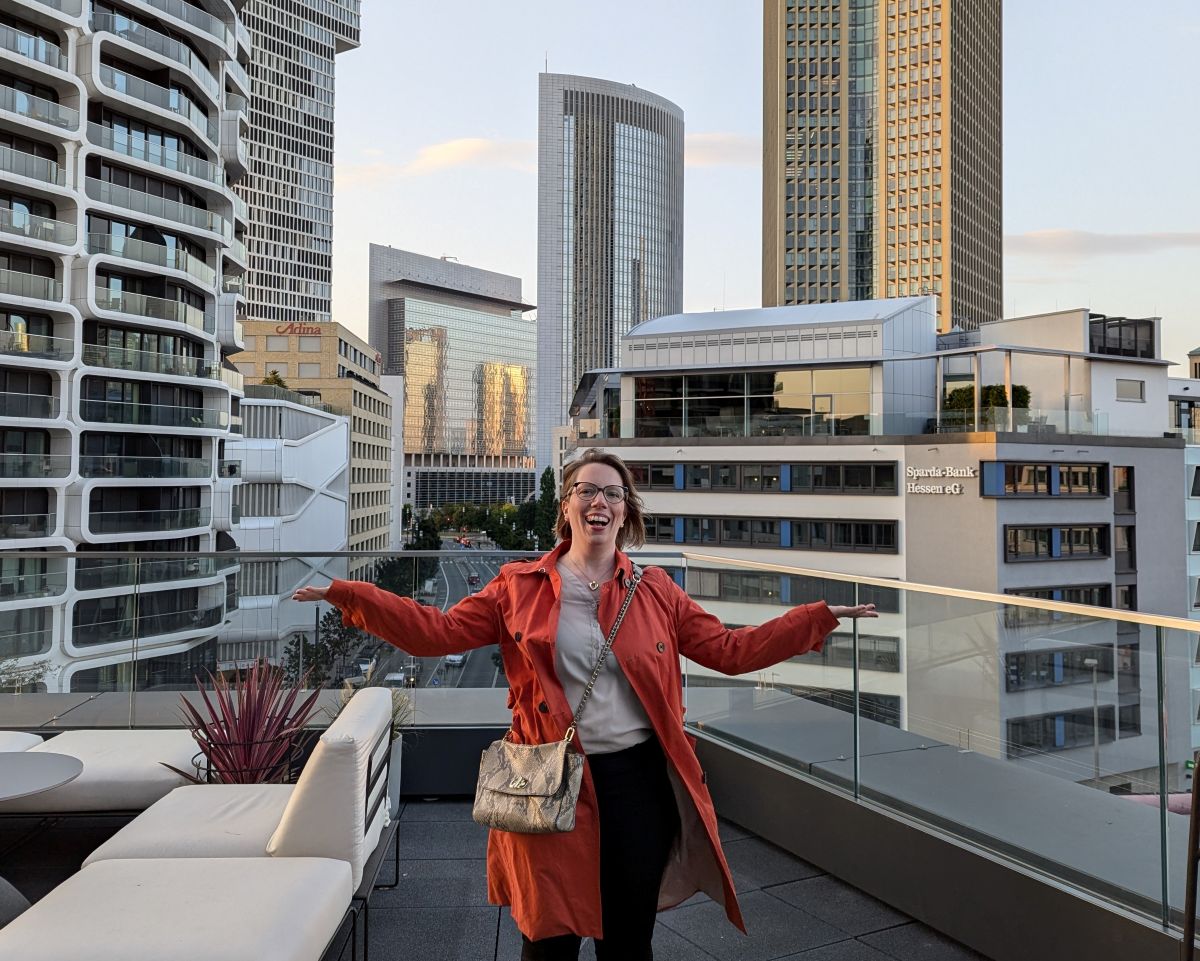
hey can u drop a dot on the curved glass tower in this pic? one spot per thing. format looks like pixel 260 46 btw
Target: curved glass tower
pixel 610 229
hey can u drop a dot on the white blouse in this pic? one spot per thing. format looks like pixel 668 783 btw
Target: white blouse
pixel 613 718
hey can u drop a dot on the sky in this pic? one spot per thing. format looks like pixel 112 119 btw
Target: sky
pixel 436 149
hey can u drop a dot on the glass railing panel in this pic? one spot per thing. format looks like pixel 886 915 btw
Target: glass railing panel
pixel 159 43
pixel 238 73
pixel 155 206
pixel 35 466
pixel 123 570
pixel 13 404
pixel 157 255
pixel 112 465
pixel 158 415
pixel 237 250
pixel 146 626
pixel 28 643
pixel 138 148
pixel 25 525
pixel 19 585
pixel 164 98
pixel 37 228
pixel 28 165
pixel 130 522
pixel 71 7
pixel 193 15
pixel 18 342
pixel 37 108
pixel 236 102
pixel 35 48
pixel 147 361
pixel 19 284
pixel 1021 727
pixel 158 308
pixel 235 424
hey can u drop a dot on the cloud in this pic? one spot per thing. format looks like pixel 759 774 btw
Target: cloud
pixel 1077 244
pixel 477 152
pixel 721 149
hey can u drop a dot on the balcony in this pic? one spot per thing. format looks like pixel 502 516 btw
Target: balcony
pixel 237 73
pixel 163 98
pixel 171 160
pixel 229 469
pixel 156 308
pixel 146 522
pixel 151 415
pixel 237 251
pixel 233 379
pixel 34 466
pixel 116 465
pixel 16 343
pixel 154 206
pixel 37 108
pixel 32 227
pixel 160 44
pixel 41 406
pixel 195 17
pixel 18 526
pixel 156 255
pixel 146 626
pixel 95 574
pixel 35 48
pixel 147 361
pixel 17 283
pixel 72 8
pixel 29 585
pixel 241 209
pixel 31 167
pixel 235 424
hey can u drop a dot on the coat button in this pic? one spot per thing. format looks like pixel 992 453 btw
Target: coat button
pixel 544 707
pixel 661 647
pixel 517 636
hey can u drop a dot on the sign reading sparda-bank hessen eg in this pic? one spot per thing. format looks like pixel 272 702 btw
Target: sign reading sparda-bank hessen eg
pixel 913 473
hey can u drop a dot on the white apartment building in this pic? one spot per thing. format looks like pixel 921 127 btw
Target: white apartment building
pixel 850 438
pixel 121 132
pixel 294 465
pixel 1184 419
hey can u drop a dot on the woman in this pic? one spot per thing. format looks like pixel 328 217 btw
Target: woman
pixel 645 834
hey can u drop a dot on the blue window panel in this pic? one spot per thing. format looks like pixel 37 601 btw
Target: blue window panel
pixel 785 586
pixel 678 530
pixel 1056 542
pixel 1055 481
pixel 679 477
pixel 1060 731
pixel 1056 595
pixel 993 479
pixel 785 477
pixel 785 533
pixel 1058 668
pixel 678 575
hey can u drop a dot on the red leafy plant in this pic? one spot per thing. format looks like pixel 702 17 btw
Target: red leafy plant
pixel 248 729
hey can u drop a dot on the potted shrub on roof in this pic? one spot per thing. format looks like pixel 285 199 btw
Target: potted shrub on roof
pixel 248 731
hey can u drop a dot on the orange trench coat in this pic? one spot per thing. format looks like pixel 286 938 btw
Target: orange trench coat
pixel 552 881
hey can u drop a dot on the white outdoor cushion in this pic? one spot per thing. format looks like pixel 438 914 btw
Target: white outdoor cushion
pixel 187 909
pixel 121 770
pixel 326 816
pixel 202 821
pixel 18 741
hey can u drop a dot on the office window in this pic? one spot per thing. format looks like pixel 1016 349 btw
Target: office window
pixel 277 343
pixel 1059 731
pixel 1123 502
pixel 308 370
pixel 249 340
pixel 700 530
pixel 844 536
pixel 311 345
pixel 849 478
pixel 1124 550
pixel 1131 390
pixel 1059 667
pixel 1082 480
pixel 247 369
pixel 660 529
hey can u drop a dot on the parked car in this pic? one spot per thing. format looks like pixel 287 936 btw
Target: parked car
pixel 395 679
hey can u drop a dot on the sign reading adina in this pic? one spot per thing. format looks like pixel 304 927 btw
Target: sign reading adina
pixel 307 330
pixel 937 472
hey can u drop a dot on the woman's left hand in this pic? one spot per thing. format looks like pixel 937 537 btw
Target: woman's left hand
pixel 859 610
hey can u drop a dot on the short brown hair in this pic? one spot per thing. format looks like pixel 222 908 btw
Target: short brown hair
pixel 633 531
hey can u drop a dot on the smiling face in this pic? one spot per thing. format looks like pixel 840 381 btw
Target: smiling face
pixel 594 523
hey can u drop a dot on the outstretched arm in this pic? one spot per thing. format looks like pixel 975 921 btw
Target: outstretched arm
pixel 424 631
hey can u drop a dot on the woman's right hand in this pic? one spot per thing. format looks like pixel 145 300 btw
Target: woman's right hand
pixel 310 593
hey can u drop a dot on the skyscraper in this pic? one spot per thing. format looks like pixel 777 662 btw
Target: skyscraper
pixel 118 243
pixel 882 153
pixel 289 188
pixel 610 229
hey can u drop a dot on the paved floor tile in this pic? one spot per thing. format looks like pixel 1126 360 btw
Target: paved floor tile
pixel 839 904
pixel 433 884
pixel 776 929
pixel 433 934
pixel 916 942
pixel 455 840
pixel 756 864
pixel 841 951
pixel 668 944
pixel 437 811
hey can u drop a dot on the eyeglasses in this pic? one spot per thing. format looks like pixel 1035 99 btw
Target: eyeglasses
pixel 614 493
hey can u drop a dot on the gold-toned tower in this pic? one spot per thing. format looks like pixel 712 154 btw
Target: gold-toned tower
pixel 882 153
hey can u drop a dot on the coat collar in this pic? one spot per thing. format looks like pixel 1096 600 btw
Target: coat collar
pixel 547 562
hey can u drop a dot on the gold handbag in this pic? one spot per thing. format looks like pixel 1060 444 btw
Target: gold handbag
pixel 533 788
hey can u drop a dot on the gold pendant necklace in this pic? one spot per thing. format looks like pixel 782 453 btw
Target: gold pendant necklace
pixel 582 575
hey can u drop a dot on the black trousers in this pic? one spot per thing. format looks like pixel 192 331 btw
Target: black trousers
pixel 638 824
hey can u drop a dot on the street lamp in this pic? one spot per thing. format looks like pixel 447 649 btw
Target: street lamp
pixel 1093 663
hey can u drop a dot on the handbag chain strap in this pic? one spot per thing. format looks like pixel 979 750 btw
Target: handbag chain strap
pixel 612 636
